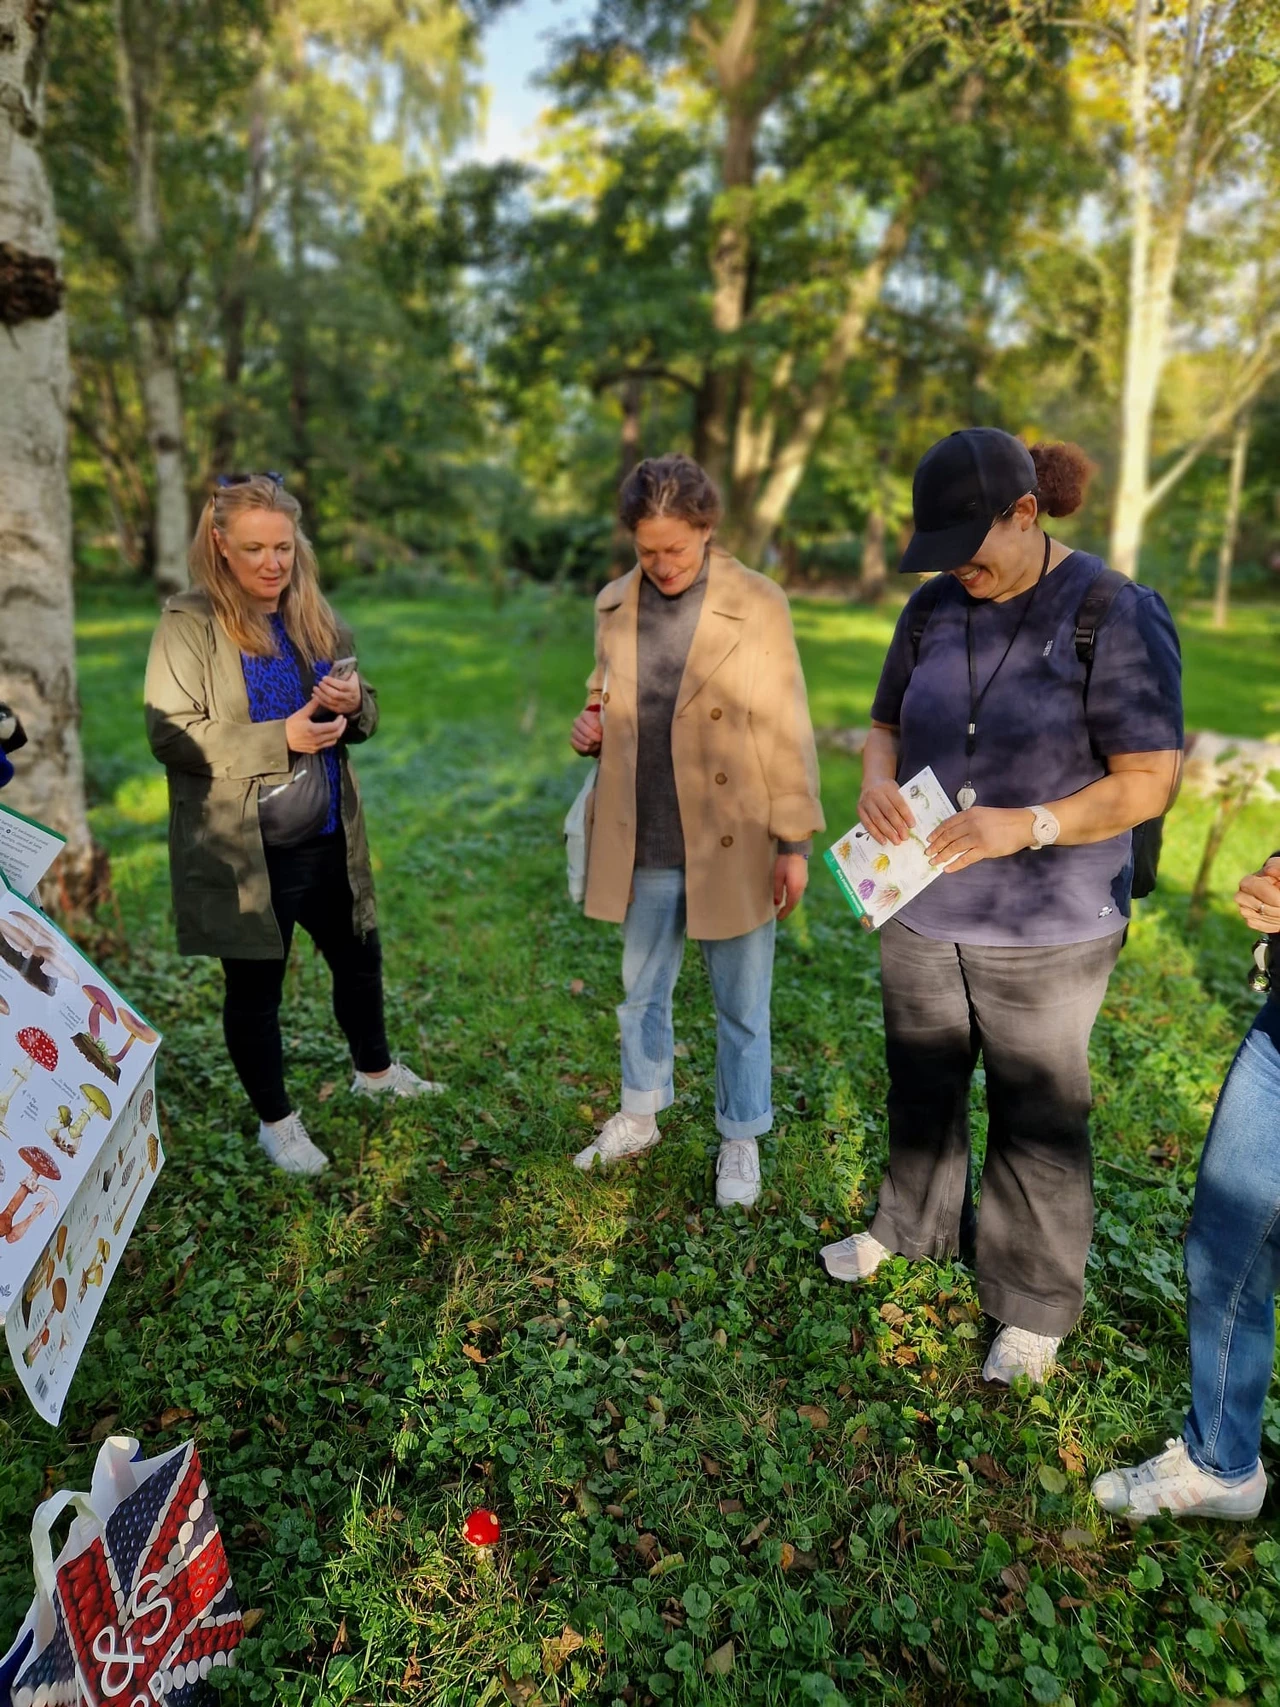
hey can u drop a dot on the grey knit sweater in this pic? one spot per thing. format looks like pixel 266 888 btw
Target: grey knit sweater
pixel 663 638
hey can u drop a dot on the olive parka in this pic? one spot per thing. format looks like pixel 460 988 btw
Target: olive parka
pixel 216 759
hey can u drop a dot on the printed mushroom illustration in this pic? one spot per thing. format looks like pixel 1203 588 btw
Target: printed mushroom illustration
pixel 41 1337
pixel 142 1174
pixel 90 1043
pixel 66 1134
pixel 43 1168
pixel 41 1051
pixel 38 956
pixel 4 1006
pixel 92 1275
pixel 139 1032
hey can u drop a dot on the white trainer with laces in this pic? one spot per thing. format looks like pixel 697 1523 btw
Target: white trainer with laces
pixel 399 1082
pixel 286 1143
pixel 621 1135
pixel 855 1258
pixel 1017 1351
pixel 1172 1482
pixel 737 1173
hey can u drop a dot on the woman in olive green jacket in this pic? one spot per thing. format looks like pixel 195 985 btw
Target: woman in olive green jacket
pixel 252 701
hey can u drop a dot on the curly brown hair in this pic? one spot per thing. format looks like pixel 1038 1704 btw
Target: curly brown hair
pixel 1063 473
pixel 671 485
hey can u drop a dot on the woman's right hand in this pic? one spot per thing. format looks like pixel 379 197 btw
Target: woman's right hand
pixel 587 732
pixel 883 809
pixel 1258 898
pixel 304 736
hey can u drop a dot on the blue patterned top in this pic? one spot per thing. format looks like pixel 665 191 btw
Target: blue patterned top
pixel 276 691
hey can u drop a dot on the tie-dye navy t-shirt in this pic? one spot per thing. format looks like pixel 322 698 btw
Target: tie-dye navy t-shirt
pixel 276 690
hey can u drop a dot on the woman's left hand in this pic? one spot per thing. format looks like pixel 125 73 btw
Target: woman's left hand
pixel 790 880
pixel 342 697
pixel 983 832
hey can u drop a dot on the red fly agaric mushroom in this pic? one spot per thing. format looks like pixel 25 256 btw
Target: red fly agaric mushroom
pixel 139 1032
pixel 66 1134
pixel 43 1167
pixel 482 1528
pixel 41 1050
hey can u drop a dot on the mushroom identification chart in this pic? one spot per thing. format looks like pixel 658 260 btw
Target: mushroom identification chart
pixel 49 1326
pixel 73 1054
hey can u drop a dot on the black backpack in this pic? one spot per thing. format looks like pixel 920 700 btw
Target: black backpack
pixel 1098 599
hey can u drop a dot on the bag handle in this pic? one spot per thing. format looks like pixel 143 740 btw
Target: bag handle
pixel 46 1515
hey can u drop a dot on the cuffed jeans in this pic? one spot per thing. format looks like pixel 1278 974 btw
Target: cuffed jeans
pixel 1233 1260
pixel 1029 1012
pixel 740 969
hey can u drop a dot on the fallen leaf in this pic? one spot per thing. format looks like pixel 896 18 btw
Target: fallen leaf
pixel 904 1354
pixel 709 1465
pixel 519 1691
pixel 340 1643
pixel 672 1562
pixel 796 1559
pixel 1051 1479
pixel 753 1535
pixel 615 1511
pixel 576 986
pixel 894 1314
pixel 104 1425
pixel 474 1353
pixel 612 1411
pixel 720 1338
pixel 1078 1538
pixel 989 1470
pixel 611 1459
pixel 586 1502
pixel 326 1090
pixel 681 1050
pixel 540 1280
pixel 296 1344
pixel 654 1403
pixel 175 1414
pixel 648 1548
pixel 749 1267
pixel 814 1415
pixel 557 1649
pixel 1072 1459
pixel 728 1507
pixel 720 1663
pixel 252 1618
pixel 1015 1578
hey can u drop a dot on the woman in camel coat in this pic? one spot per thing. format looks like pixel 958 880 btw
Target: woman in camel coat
pixel 706 802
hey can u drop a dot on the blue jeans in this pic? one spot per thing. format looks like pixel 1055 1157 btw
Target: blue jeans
pixel 1233 1260
pixel 741 972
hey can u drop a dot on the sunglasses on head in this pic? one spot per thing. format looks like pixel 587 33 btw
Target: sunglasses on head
pixel 244 479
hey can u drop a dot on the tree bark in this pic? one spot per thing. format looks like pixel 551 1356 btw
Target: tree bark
pixel 156 297
pixel 37 636
pixel 1137 391
pixel 875 570
pixel 1231 523
pixel 629 453
pixel 234 296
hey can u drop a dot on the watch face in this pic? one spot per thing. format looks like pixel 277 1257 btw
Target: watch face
pixel 8 724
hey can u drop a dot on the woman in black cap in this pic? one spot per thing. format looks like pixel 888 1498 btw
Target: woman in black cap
pixel 1045 692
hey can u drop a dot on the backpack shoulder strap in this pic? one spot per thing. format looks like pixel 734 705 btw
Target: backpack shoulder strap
pixel 922 604
pixel 1098 600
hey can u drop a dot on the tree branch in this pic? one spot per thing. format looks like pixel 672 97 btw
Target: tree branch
pixel 1250 382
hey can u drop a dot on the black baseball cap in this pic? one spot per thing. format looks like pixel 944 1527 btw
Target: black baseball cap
pixel 961 485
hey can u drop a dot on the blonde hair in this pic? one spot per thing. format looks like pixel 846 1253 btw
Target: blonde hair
pixel 304 610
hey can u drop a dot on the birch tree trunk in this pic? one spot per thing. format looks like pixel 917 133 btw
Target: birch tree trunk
pixel 139 68
pixel 1231 523
pixel 37 639
pixel 1138 391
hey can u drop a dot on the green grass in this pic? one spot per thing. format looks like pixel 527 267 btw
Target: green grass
pixel 453 1317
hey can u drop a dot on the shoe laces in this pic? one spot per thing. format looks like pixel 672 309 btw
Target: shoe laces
pixel 738 1160
pixel 1172 1462
pixel 1021 1342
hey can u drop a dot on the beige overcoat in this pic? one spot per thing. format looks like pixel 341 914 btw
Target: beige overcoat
pixel 742 747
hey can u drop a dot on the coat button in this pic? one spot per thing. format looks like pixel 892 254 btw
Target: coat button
pixel 726 841
pixel 716 714
pixel 721 777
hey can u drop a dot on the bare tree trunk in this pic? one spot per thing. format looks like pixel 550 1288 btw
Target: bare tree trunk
pixel 37 637
pixel 875 573
pixel 139 66
pixel 1231 524
pixel 1138 392
pixel 234 296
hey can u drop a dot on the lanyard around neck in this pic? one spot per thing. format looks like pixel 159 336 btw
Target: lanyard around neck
pixel 968 795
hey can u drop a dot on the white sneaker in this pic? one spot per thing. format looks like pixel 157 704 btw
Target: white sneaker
pixel 1017 1351
pixel 855 1258
pixel 1172 1482
pixel 737 1173
pixel 399 1082
pixel 286 1143
pixel 621 1135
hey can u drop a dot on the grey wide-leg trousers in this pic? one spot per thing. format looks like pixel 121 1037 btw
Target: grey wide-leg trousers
pixel 1028 1012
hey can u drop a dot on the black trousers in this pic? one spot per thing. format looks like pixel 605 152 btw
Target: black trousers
pixel 1029 1012
pixel 309 887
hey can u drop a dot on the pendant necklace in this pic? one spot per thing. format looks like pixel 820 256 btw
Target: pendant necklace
pixel 968 795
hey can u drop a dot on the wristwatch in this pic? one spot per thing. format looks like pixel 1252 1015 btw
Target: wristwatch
pixel 1045 828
